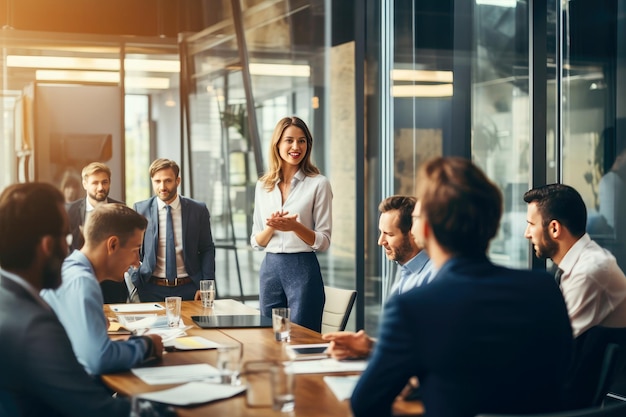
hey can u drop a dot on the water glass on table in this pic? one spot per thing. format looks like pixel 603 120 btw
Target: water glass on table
pixel 172 310
pixel 258 380
pixel 229 363
pixel 281 323
pixel 207 292
pixel 282 376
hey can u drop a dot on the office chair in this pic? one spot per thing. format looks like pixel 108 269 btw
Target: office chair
pixel 599 356
pixel 618 410
pixel 337 309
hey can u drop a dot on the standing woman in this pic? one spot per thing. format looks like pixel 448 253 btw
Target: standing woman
pixel 292 221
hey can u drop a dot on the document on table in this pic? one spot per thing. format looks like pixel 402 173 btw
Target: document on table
pixel 135 307
pixel 342 386
pixel 192 343
pixel 193 393
pixel 325 366
pixel 177 374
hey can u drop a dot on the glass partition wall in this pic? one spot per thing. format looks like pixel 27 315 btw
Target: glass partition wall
pixel 267 60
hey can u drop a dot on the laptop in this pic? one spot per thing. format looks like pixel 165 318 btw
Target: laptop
pixel 232 321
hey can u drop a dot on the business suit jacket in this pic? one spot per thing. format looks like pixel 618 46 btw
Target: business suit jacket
pixel 480 338
pixel 40 375
pixel 198 245
pixel 76 213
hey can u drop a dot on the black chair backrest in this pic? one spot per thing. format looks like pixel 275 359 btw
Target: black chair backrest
pixel 618 410
pixel 598 357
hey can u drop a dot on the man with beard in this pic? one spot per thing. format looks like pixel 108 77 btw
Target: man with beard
pixel 593 285
pixel 480 338
pixel 97 183
pixel 40 374
pixel 113 236
pixel 415 267
pixel 178 249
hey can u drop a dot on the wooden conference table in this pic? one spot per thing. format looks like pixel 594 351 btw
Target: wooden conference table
pixel 312 396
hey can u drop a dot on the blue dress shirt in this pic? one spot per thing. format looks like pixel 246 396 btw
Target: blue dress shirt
pixel 78 305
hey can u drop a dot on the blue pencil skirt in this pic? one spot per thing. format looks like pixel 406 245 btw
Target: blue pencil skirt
pixel 293 280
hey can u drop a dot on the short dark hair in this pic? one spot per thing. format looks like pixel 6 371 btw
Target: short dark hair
pixel 405 205
pixel 562 203
pixel 461 205
pixel 28 212
pixel 162 163
pixel 108 220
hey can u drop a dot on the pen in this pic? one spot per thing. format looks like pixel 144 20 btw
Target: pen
pixel 157 306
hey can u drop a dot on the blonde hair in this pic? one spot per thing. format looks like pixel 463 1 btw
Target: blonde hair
pixel 274 172
pixel 93 168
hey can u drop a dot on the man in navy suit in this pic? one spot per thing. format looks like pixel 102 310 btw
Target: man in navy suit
pixel 97 184
pixel 193 256
pixel 480 338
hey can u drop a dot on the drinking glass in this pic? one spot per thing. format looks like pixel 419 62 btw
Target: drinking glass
pixel 172 310
pixel 281 323
pixel 207 292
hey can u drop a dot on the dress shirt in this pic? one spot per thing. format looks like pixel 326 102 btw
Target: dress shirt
pixel 78 305
pixel 310 198
pixel 418 271
pixel 593 286
pixel 177 219
pixel 89 208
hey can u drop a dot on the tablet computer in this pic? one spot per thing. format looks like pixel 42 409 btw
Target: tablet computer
pixel 232 321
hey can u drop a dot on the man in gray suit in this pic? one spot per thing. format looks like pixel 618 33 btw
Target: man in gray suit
pixel 40 374
pixel 178 249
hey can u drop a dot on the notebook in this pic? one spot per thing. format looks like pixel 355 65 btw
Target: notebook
pixel 232 322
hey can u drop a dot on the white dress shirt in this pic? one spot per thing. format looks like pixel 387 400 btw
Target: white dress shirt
pixel 177 219
pixel 593 286
pixel 310 198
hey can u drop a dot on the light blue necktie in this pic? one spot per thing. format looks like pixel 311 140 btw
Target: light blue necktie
pixel 170 246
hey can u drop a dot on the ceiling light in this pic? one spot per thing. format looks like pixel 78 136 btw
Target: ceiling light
pixel 94 64
pixel 102 77
pixel 422 75
pixel 280 70
pixel 440 90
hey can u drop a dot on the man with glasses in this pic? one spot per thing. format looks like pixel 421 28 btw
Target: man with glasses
pixel 480 338
pixel 40 375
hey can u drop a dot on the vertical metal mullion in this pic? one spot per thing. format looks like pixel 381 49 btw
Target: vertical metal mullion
pixel 359 79
pixel 538 58
pixel 386 132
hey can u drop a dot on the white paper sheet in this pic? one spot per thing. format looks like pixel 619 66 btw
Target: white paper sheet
pixel 342 386
pixel 193 393
pixel 192 343
pixel 136 307
pixel 324 366
pixel 177 374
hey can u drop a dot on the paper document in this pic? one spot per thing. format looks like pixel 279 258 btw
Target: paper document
pixel 193 393
pixel 192 343
pixel 342 386
pixel 325 366
pixel 135 307
pixel 177 374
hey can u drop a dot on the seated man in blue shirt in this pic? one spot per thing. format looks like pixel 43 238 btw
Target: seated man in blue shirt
pixel 480 338
pixel 113 238
pixel 415 267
